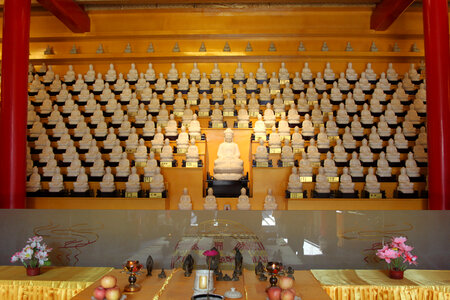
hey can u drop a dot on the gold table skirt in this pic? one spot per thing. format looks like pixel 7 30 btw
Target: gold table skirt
pixel 376 285
pixel 54 283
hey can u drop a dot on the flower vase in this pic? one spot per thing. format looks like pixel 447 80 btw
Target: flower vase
pixel 33 271
pixel 396 274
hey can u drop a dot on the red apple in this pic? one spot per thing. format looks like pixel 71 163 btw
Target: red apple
pixel 288 294
pixel 99 293
pixel 274 293
pixel 108 281
pixel 113 293
pixel 286 282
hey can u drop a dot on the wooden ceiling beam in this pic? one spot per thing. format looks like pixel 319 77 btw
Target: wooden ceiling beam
pixel 386 12
pixel 70 13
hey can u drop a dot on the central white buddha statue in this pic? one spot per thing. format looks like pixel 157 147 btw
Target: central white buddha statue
pixel 228 165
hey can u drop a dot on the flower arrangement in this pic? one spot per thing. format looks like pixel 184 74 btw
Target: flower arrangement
pixel 34 254
pixel 209 257
pixel 397 254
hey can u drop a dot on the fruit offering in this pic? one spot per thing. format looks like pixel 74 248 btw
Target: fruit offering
pixel 284 291
pixel 108 289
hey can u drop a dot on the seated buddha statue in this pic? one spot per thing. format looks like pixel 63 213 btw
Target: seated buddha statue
pixel 313 152
pixel 185 201
pixel 261 154
pixel 81 185
pixel 356 169
pixel 399 139
pixel 404 184
pixel 322 185
pixel 392 153
pixel 243 201
pixel 251 84
pixel 183 139
pixel 365 154
pixel 270 203
pixel 107 183
pixel 342 83
pixel 192 154
pixel 274 138
pixel 356 127
pixel 166 152
pixel 328 73
pixel 56 185
pixel 133 185
pixel 294 183
pixel 350 73
pixel 228 165
pixel 383 169
pixel 157 185
pixel 412 169
pixel 151 165
pixel 340 155
pixel 307 127
pixel 346 186
pixel 330 166
pixel 307 75
pixel 325 104
pixel 391 74
pixel 239 73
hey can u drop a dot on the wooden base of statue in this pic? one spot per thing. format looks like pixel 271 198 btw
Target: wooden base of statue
pixel 227 188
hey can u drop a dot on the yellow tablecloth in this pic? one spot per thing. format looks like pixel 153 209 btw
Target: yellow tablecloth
pixel 376 285
pixel 61 283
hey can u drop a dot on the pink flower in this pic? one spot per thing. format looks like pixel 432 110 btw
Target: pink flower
pixel 210 253
pixel 411 259
pixel 387 254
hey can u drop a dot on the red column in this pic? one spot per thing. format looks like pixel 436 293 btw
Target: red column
pixel 13 114
pixel 435 21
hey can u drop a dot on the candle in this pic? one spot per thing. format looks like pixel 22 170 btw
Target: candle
pixel 202 283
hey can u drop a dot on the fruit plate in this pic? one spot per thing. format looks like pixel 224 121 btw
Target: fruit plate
pixel 121 298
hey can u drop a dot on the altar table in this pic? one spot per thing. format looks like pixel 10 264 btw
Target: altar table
pixel 376 285
pixel 54 283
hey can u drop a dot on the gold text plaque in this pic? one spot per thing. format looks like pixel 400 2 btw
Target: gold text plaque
pixel 192 164
pixel 148 179
pixel 306 179
pixel 217 125
pixel 296 195
pixel 131 195
pixel 333 179
pixel 141 164
pixel 288 163
pixel 375 195
pixel 274 150
pixel 298 150
pixel 242 124
pixel 166 164
pixel 203 113
pixel 228 113
pixel 155 195
pixel 181 150
pixel 262 164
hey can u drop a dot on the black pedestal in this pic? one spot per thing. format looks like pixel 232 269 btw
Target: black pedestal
pixel 227 188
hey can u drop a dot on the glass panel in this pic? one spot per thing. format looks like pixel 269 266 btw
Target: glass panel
pixel 302 239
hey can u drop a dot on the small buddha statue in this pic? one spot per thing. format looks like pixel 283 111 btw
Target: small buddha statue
pixel 313 152
pixel 358 93
pixel 287 154
pixel 99 83
pixel 316 115
pixel 204 84
pixel 210 201
pixel 328 73
pixel 239 74
pixel 49 75
pixel 365 154
pixel 261 74
pixel 311 93
pixel 163 115
pixel 107 183
pixel 419 154
pixel 366 116
pixel 356 169
pixel 392 154
pixel 350 105
pixel 306 73
pixel 158 139
pixel 185 201
pixel 336 94
pixel 350 73
pixel 342 117
pixel 141 152
pixel 325 104
pixel 302 104
pixel 330 166
pixel 297 83
pixel 399 139
pixel 371 185
pixel 283 72
pixel 422 138
pixel 340 156
pixel 132 75
pixel 270 203
pixel 307 127
pixel 151 165
pixel 111 74
pixel 283 127
pixel 133 184
pixel 183 139
pixel 123 169
pixel 243 117
pixel 322 185
pixel 294 184
pixel 171 129
pixel 160 84
pixel 288 93
pixel 305 167
pixel 297 139
pixel 383 169
pixel 34 183
pixel 215 73
pixel 110 139
pixel 264 93
pixel 253 105
pixel 216 115
pixel 293 116
pixel 331 126
pixel 274 83
pixel 322 139
pixel 404 184
pixel 98 169
pixel 412 170
pixel 166 152
pixel 346 186
pixel 173 73
pixel 251 84
pixel 227 83
pixel 370 73
pixel 243 200
pixel 157 185
pixel 348 140
pixel 192 154
pixel 193 93
pixel 116 152
pixel 120 84
pixel 261 154
pixel 69 77
pixel 195 73
pixel 364 83
pixel 228 104
pixel 391 74
pixel 274 138
pixel 168 94
pixel 56 185
pixel 81 184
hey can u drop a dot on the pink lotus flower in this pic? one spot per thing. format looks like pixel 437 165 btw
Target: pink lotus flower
pixel 397 253
pixel 210 253
pixel 399 240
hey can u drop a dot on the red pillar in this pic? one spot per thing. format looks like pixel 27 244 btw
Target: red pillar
pixel 13 114
pixel 435 21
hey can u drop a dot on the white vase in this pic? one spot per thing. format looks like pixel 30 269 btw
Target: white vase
pixel 204 282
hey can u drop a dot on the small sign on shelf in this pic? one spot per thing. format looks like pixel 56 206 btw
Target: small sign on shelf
pixel 155 195
pixel 306 179
pixel 166 164
pixel 148 179
pixel 131 194
pixel 192 164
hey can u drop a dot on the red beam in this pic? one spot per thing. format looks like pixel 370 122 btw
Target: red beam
pixel 435 21
pixel 386 12
pixel 13 112
pixel 70 13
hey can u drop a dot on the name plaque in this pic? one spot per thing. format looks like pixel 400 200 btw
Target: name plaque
pixel 284 81
pixel 315 164
pixel 333 137
pixel 274 92
pixel 253 113
pixel 279 114
pixel 288 163
pixel 260 136
pixel 148 179
pixel 316 125
pixel 298 150
pixel 141 164
pixel 217 125
pixel 241 101
pixel 156 150
pixel 285 137
pixel 312 102
pixel 178 113
pixel 166 164
pixel 274 150
pixel 192 164
pixel 225 92
pixel 333 179
pixel 296 195
pixel 375 195
pixel 242 124
pixel 181 150
pixel 192 102
pixel 130 150
pixel 288 101
pixel 306 179
pixel 155 195
pixel 203 113
pixel 131 195
pixel 131 113
pixel 228 113
pixel 262 164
